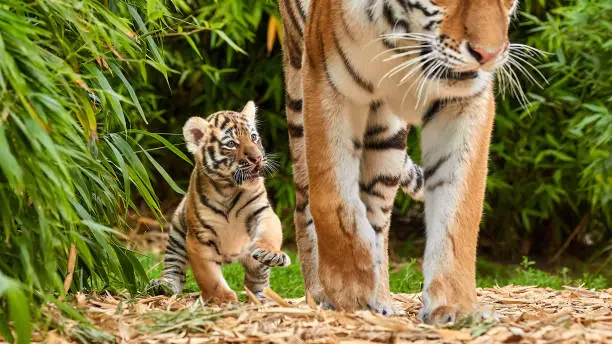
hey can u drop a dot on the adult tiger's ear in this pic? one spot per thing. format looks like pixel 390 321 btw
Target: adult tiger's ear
pixel 195 132
pixel 250 111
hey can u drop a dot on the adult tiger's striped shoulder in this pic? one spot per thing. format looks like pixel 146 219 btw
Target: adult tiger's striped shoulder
pixel 225 215
pixel 357 74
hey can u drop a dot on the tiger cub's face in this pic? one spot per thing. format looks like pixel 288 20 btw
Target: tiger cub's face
pixel 226 145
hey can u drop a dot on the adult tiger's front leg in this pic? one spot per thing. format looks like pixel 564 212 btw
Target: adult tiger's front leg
pixel 455 170
pixel 347 264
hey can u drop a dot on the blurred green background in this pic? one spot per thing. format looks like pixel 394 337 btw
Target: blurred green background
pixel 94 94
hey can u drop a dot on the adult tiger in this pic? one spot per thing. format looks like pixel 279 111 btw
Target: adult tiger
pixel 357 72
pixel 225 215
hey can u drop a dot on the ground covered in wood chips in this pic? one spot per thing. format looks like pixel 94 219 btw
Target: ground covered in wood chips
pixel 522 314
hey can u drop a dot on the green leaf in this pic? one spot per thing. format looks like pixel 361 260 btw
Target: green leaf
pixel 163 173
pixel 18 308
pixel 98 227
pixel 5 331
pixel 165 142
pixel 150 41
pixel 229 41
pixel 124 170
pixel 193 46
pixel 130 89
pixel 8 164
pixel 111 95
pixel 549 152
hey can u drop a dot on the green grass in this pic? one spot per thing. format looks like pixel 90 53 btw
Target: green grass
pixel 408 278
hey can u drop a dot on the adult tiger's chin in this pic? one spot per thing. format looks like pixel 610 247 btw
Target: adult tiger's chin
pixel 458 87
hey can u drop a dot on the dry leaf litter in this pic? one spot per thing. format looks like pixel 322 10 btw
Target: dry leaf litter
pixel 521 314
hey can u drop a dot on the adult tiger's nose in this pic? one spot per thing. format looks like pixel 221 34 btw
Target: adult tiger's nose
pixel 484 55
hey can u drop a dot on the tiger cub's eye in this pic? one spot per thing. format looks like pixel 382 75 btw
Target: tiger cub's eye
pixel 230 144
pixel 254 137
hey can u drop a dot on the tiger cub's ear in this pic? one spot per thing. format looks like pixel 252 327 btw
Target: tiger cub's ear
pixel 195 132
pixel 250 110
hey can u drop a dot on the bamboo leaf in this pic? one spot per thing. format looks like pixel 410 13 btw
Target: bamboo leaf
pixel 8 164
pixel 110 94
pixel 165 142
pixel 141 25
pixel 18 309
pixel 163 173
pixel 229 41
pixel 130 89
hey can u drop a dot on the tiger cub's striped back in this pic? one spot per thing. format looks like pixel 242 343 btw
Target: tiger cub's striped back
pixel 225 215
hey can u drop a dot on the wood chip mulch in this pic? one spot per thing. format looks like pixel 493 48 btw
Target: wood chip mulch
pixel 522 314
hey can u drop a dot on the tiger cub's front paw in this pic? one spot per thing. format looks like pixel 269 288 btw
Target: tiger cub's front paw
pixel 271 258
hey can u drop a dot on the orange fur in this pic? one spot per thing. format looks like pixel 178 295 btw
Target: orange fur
pixel 341 260
pixel 466 19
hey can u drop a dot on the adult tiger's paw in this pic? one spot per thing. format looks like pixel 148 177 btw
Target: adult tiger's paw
pixel 384 308
pixel 351 286
pixel 453 314
pixel 271 258
pixel 440 315
pixel 446 299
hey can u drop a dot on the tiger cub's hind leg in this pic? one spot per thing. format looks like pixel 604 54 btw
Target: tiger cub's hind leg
pixel 256 276
pixel 207 271
pixel 175 258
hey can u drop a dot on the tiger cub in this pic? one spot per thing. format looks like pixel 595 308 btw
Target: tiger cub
pixel 225 215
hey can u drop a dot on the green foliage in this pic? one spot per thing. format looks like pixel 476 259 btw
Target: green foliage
pixel 551 163
pixel 492 274
pixel 70 72
pixel 14 299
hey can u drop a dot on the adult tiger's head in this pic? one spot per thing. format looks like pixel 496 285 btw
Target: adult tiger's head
pixel 458 42
pixel 226 145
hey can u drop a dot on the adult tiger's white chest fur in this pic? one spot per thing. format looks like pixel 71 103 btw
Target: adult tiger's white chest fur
pixel 358 73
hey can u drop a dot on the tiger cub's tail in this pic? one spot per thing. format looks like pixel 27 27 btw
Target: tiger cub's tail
pixel 175 259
